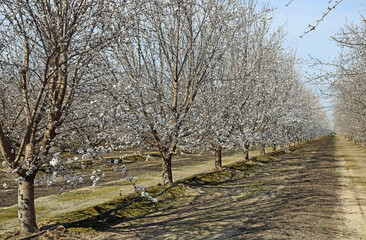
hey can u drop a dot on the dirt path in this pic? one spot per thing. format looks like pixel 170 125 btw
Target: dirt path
pixel 352 166
pixel 299 196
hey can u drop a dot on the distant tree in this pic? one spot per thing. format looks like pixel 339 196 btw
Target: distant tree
pixel 230 89
pixel 347 82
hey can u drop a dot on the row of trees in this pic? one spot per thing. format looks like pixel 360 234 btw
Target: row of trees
pixel 170 75
pixel 208 75
pixel 348 83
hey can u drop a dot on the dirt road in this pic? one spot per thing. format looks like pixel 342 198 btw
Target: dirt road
pixel 352 166
pixel 315 193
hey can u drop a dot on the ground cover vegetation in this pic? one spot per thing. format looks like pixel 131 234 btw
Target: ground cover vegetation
pixel 86 222
pixel 92 77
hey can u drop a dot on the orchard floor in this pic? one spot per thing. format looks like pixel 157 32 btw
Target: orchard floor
pixel 317 192
pixel 141 169
pixel 49 204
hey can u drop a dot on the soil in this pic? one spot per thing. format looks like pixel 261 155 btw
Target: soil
pixel 352 166
pixel 138 168
pixel 297 196
pixel 315 192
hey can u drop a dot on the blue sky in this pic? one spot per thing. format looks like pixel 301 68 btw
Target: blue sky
pixel 300 13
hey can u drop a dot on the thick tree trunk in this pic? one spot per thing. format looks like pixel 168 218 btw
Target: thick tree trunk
pixel 167 170
pixel 26 210
pixel 262 149
pixel 218 157
pixel 246 152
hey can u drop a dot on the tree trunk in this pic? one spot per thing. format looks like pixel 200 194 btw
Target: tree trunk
pixel 141 151
pixel 246 152
pixel 263 149
pixel 274 146
pixel 167 170
pixel 26 210
pixel 218 157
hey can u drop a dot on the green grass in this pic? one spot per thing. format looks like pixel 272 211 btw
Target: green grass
pixel 262 159
pixel 182 192
pixel 8 213
pixel 12 212
pixel 174 195
pixel 83 194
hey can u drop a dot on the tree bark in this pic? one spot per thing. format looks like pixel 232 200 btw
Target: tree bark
pixel 29 153
pixel 262 149
pixel 218 157
pixel 167 170
pixel 246 152
pixel 5 148
pixel 274 146
pixel 26 209
pixel 141 151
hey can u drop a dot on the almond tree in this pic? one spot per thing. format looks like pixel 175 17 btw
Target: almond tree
pixel 163 64
pixel 273 102
pixel 347 82
pixel 255 80
pixel 257 96
pixel 47 52
pixel 231 90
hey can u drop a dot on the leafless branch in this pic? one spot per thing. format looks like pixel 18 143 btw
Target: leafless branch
pixel 313 27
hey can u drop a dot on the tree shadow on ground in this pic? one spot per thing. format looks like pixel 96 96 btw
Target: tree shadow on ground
pixel 293 197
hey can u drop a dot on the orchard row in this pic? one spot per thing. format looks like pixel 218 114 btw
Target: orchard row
pixel 188 75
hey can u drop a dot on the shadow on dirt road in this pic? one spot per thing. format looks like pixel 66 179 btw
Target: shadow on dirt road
pixel 293 197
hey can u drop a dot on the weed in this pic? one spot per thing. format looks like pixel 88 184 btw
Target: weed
pixel 322 227
pixel 337 173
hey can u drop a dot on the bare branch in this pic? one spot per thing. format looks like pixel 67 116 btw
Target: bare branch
pixel 313 27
